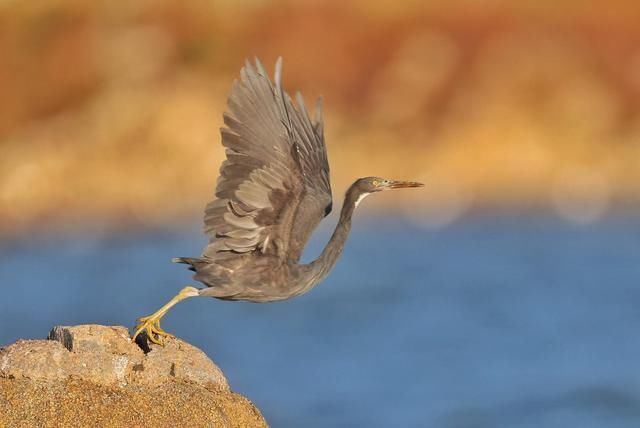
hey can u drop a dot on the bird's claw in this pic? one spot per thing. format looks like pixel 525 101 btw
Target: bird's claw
pixel 151 325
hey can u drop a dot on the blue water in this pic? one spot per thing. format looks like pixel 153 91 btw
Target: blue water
pixel 492 322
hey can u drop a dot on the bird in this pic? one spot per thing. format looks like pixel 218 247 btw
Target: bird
pixel 272 191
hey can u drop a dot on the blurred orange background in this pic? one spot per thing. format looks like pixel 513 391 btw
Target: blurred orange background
pixel 110 111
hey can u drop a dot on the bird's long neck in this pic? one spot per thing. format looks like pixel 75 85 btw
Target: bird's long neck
pixel 319 268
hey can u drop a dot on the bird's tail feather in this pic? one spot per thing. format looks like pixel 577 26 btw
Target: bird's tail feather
pixel 192 261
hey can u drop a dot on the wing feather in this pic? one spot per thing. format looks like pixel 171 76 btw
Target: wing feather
pixel 273 188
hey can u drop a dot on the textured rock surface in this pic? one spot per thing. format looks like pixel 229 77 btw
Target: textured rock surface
pixel 92 375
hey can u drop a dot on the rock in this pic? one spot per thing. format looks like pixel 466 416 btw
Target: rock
pixel 93 375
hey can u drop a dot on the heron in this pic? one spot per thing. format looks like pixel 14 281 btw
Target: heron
pixel 272 191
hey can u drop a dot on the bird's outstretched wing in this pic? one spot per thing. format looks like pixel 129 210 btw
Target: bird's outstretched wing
pixel 274 187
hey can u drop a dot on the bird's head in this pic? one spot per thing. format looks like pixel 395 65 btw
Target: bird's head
pixel 368 185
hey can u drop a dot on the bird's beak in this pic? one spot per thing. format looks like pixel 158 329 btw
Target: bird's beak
pixel 403 184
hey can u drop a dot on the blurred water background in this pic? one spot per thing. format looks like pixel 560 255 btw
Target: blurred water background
pixel 504 293
pixel 496 321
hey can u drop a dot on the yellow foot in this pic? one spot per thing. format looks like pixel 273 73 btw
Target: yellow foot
pixel 151 325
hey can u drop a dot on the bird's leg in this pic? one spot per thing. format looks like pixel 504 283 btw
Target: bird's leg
pixel 151 323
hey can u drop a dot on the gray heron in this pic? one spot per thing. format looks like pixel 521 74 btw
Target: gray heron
pixel 272 191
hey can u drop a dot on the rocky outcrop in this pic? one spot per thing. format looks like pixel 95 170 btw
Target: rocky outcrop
pixel 93 375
